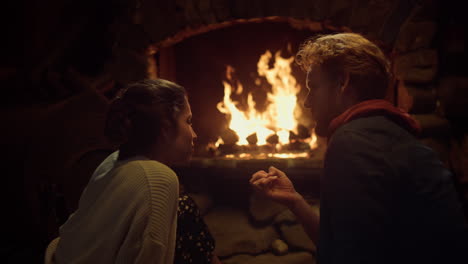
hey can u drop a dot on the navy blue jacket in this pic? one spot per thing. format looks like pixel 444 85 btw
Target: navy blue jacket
pixel 387 198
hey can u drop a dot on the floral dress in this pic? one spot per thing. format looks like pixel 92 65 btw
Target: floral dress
pixel 194 242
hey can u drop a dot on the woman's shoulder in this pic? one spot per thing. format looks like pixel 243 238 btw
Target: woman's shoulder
pixel 150 168
pixel 155 175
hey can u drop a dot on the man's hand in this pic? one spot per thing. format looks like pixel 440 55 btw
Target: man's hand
pixel 276 186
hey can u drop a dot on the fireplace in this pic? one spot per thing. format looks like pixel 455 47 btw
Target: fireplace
pixel 246 95
pixel 245 91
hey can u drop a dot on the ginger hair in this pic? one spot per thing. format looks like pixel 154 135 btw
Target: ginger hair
pixel 338 54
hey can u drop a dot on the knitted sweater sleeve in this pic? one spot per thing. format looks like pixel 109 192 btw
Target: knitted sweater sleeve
pixel 159 243
pixel 158 221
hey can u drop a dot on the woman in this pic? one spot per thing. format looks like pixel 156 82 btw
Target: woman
pixel 128 211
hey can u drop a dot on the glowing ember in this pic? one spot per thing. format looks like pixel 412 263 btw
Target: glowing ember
pixel 268 155
pixel 279 118
pixel 313 141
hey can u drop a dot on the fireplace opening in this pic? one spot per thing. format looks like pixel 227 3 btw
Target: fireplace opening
pixel 246 95
pixel 245 90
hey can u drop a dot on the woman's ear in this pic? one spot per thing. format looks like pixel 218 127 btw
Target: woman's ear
pixel 167 131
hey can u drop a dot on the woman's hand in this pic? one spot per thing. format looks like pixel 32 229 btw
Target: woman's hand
pixel 276 186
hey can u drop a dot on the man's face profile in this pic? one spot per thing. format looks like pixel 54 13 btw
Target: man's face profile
pixel 321 99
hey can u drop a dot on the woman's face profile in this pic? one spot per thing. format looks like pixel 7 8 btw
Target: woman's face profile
pixel 184 136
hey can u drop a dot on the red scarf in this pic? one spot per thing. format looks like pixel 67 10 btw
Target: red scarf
pixel 372 108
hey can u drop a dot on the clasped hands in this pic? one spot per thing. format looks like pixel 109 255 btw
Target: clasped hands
pixel 275 185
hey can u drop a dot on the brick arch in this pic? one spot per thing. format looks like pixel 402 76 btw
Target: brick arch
pixel 313 26
pixel 155 24
pixel 166 21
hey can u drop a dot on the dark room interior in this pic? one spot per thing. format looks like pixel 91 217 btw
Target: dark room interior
pixel 64 61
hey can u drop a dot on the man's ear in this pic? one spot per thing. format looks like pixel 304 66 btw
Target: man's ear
pixel 344 85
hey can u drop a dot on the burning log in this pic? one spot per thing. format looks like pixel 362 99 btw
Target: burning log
pixel 303 132
pixel 252 139
pixel 273 139
pixel 293 136
pixel 226 149
pixel 229 137
pixel 298 146
pixel 267 149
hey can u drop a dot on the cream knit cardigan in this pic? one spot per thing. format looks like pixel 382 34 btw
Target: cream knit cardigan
pixel 126 214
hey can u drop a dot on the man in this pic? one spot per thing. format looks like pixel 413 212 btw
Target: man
pixel 385 197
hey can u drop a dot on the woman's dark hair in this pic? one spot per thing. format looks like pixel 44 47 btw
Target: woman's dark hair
pixel 139 112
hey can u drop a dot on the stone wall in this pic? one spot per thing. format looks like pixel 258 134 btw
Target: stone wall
pixel 452 90
pixel 264 233
pixel 429 55
pixel 379 20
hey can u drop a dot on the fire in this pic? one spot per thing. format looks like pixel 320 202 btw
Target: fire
pixel 279 118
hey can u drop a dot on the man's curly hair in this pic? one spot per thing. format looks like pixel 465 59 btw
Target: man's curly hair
pixel 366 64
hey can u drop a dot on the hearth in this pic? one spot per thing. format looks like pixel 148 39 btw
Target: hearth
pixel 246 95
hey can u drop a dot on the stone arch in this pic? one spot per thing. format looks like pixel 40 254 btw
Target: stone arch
pixel 158 24
pixel 166 20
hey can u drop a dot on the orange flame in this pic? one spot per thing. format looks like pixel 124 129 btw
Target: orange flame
pixel 280 115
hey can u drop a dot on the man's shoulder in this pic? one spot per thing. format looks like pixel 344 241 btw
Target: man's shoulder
pixel 374 131
pixel 378 124
pixel 379 140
